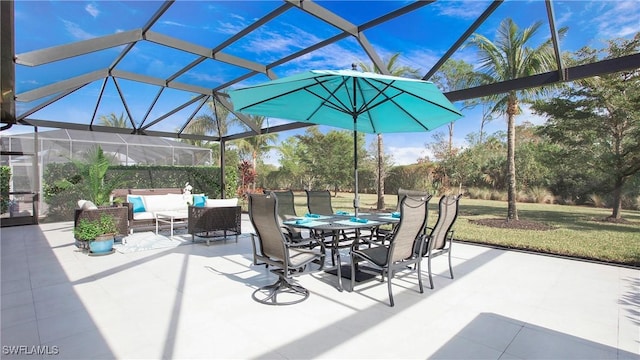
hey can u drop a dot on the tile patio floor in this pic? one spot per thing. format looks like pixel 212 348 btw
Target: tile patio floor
pixel 194 302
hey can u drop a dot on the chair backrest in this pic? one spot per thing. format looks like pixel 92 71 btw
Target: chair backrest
pixel 319 202
pixel 447 215
pixel 263 215
pixel 415 193
pixel 286 211
pixel 413 219
pixel 286 205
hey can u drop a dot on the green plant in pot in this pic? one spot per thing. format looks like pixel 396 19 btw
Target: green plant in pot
pixel 99 233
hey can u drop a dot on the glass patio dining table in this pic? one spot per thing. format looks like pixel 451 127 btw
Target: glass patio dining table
pixel 338 223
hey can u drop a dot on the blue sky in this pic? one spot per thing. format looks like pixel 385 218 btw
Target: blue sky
pixel 420 37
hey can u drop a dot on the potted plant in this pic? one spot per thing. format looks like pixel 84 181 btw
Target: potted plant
pixel 98 234
pixel 92 181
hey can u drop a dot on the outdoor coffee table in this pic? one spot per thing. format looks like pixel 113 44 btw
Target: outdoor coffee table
pixel 171 217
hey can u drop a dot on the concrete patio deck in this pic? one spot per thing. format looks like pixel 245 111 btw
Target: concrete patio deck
pixel 194 301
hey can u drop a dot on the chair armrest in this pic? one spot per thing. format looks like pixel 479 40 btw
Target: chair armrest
pixel 129 207
pixel 308 243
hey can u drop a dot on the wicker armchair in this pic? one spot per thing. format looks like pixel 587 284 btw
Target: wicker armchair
pixel 208 222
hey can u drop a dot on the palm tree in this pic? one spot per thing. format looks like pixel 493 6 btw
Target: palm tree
pixel 507 58
pixel 217 121
pixel 114 120
pixel 396 70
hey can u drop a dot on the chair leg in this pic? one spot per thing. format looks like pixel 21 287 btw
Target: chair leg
pixel 450 268
pixel 419 268
pixel 389 276
pixel 429 269
pixel 269 294
pixel 353 272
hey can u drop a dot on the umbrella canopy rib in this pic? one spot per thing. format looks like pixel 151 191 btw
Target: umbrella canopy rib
pixel 332 95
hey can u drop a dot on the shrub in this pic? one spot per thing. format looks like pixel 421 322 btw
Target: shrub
pixel 5 176
pixel 87 230
pixel 498 195
pixel 522 196
pixel 561 200
pixel 540 195
pixel 596 200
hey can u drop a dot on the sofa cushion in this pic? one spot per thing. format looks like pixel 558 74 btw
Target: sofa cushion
pixel 144 215
pixel 222 202
pixel 199 200
pixel 166 202
pixel 86 205
pixel 137 203
pixel 155 203
pixel 176 202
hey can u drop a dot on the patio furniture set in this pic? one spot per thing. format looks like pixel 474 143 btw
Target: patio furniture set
pixel 278 241
pixel 168 208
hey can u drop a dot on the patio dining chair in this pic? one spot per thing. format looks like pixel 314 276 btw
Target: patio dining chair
pixel 271 247
pixel 381 233
pixel 319 202
pixel 402 192
pixel 398 253
pixel 439 238
pixel 287 211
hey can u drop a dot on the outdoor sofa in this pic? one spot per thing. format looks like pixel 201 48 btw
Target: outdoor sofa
pixel 205 217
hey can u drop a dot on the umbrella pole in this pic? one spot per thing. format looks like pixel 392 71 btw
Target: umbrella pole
pixel 356 199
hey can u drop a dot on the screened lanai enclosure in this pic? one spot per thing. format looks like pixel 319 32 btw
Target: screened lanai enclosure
pixel 65 145
pixel 165 67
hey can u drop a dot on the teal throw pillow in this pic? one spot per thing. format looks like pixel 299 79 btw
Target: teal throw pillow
pixel 138 205
pixel 199 200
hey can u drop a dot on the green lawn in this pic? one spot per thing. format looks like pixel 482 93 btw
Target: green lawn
pixel 575 233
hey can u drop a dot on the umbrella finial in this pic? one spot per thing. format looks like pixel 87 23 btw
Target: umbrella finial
pixel 354 67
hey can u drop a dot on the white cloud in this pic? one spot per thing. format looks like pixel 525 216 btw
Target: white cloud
pixel 407 154
pixel 229 28
pixel 280 41
pixel 528 115
pixel 459 9
pixel 92 10
pixel 75 31
pixel 330 57
pixel 420 59
pixel 173 23
pixel 618 19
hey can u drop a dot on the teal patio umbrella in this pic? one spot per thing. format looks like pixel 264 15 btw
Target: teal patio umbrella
pixel 350 99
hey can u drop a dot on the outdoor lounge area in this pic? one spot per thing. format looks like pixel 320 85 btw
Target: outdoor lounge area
pixel 194 301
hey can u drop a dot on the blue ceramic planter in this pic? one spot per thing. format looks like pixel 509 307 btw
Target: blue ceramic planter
pixel 101 246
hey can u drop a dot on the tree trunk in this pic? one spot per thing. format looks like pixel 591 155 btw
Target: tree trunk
pixel 381 174
pixel 450 138
pixel 617 198
pixel 512 110
pixel 254 157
